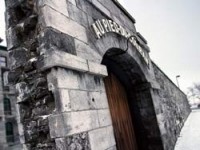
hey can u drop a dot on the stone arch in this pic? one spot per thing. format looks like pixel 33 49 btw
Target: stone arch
pixel 113 40
pixel 140 100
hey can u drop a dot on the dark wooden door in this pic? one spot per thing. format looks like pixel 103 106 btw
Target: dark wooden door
pixel 120 113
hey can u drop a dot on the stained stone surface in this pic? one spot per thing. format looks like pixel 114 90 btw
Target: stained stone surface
pixel 35 102
pixel 75 142
pixel 78 142
pixel 63 42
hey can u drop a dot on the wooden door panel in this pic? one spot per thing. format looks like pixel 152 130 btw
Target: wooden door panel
pixel 120 113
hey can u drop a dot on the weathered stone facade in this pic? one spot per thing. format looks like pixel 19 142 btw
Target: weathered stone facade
pixel 58 66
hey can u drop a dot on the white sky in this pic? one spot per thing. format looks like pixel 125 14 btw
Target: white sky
pixel 172 29
pixel 2 22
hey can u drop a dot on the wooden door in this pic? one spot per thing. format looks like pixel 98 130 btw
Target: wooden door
pixel 120 113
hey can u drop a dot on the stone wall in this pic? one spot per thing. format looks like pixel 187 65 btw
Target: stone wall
pixel 34 102
pixel 172 108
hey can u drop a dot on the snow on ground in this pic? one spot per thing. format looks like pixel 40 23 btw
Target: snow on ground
pixel 190 135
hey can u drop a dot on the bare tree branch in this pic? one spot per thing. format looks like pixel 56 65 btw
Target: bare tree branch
pixel 194 91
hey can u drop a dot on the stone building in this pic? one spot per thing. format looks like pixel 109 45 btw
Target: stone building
pixel 85 80
pixel 9 136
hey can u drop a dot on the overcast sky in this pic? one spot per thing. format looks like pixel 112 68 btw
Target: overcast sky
pixel 2 22
pixel 172 29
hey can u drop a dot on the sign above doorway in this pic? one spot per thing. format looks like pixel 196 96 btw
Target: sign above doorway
pixel 101 27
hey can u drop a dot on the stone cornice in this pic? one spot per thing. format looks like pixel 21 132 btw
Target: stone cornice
pixel 69 61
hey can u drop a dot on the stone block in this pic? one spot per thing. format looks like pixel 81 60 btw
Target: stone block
pixel 111 6
pixel 107 42
pixel 78 15
pixel 81 121
pixel 23 91
pixel 21 133
pixel 64 24
pixel 85 51
pixel 127 22
pixel 72 1
pixel 51 39
pixel 64 100
pixel 60 6
pixel 90 82
pixel 66 79
pixel 12 38
pixel 102 139
pixel 69 61
pixel 78 142
pixel 7 20
pixel 71 123
pixel 79 100
pixel 117 13
pixel 101 8
pixel 89 8
pixel 18 57
pixel 104 117
pixel 98 100
pixel 62 59
pixel 61 144
pixel 57 126
pixel 97 69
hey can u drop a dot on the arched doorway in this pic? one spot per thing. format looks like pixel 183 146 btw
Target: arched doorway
pixel 120 113
pixel 127 86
